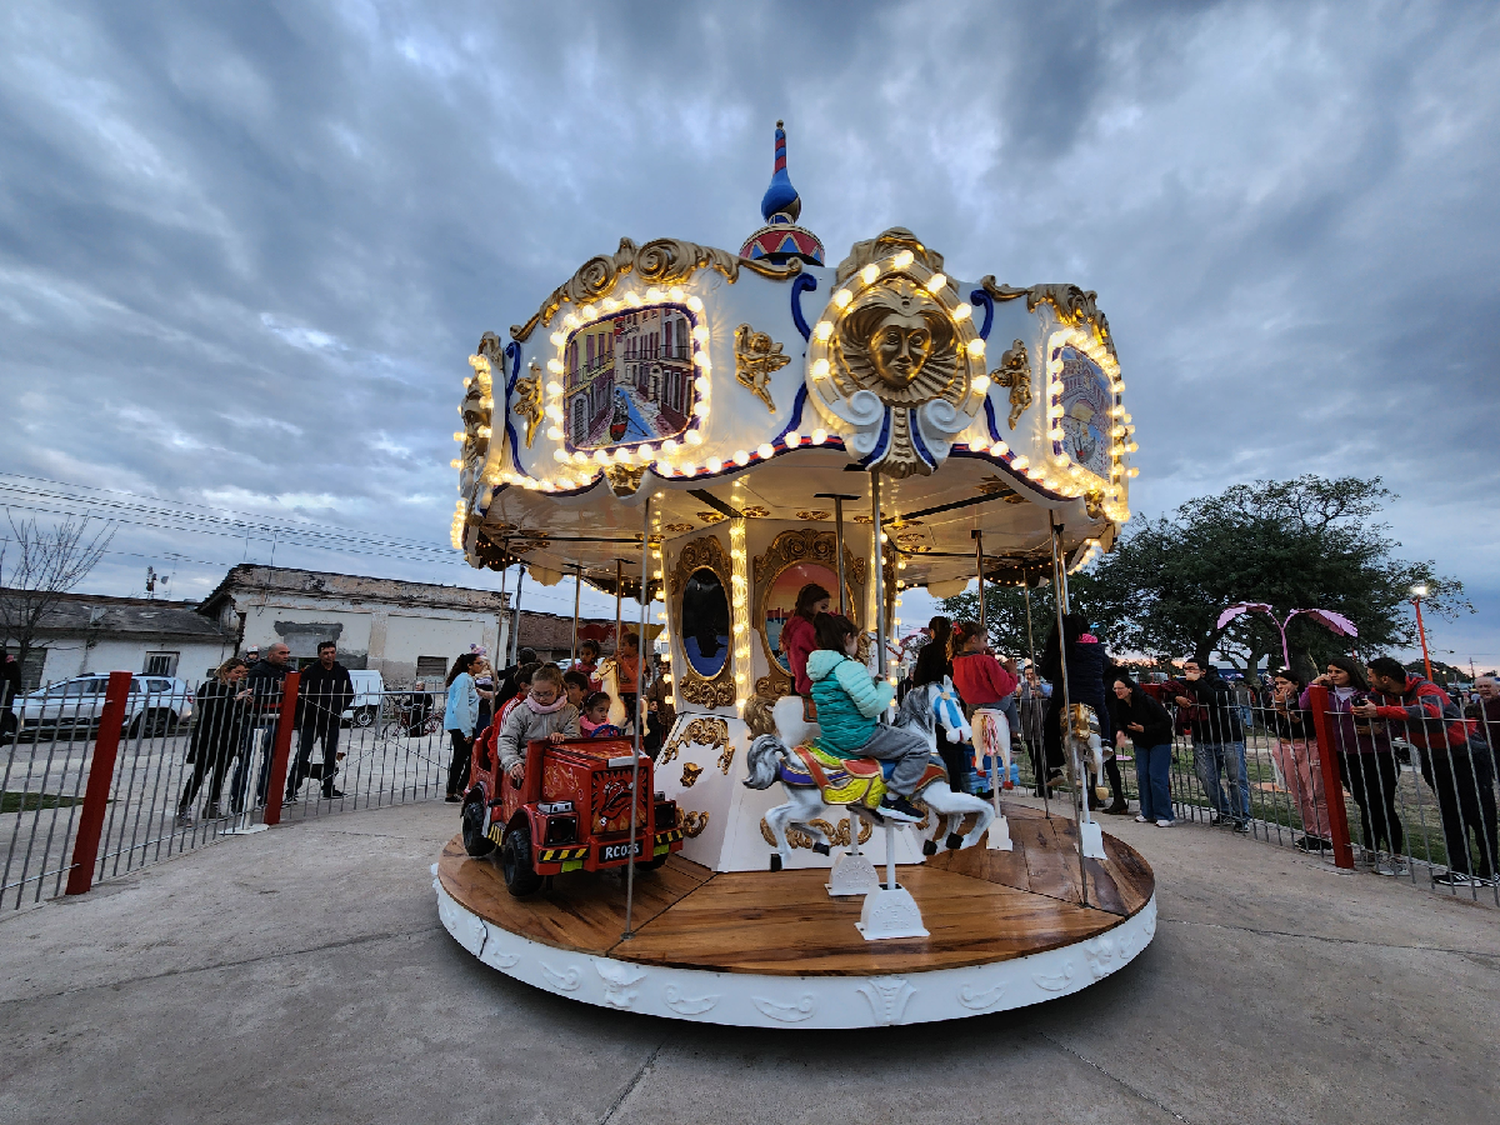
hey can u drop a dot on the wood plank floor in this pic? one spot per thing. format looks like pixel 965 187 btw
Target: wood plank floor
pixel 980 906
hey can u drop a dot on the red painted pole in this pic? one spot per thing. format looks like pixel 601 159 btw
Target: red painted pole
pixel 1421 632
pixel 1333 787
pixel 101 774
pixel 282 748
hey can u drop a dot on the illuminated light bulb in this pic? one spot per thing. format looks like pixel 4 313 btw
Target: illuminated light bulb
pixel 701 409
pixel 580 458
pixel 701 359
pixel 1118 431
pixel 695 303
pixel 676 293
pixel 643 452
pixel 1019 462
pixel 589 312
pixel 961 311
pixel 1059 459
pixel 654 294
pixel 842 298
pixel 823 330
pixel 1055 410
pixel 560 455
pixel 869 273
pixel 741 457
pixel 1133 472
pixel 455 464
pixel 1119 385
pixel 819 436
pixel 1118 412
pixel 663 467
pixel 555 366
pixel 999 449
pixel 820 369
pixel 700 334
pixel 571 321
pixel 793 439
pixel 936 284
pixel 467 381
pixel 558 339
pixel 554 433
pixel 554 387
pixel 693 437
pixel 622 455
pixel 713 464
pixel 1055 435
pixel 903 259
pixel 601 457
pixel 765 449
pixel 976 348
pixel 669 446
pixel 458 435
pixel 702 385
pixel 548 486
pixel 632 298
pixel 884 538
pixel 981 382
pixel 555 412
pixel 688 468
pixel 1132 447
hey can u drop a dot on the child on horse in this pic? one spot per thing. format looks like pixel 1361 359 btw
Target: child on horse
pixel 849 703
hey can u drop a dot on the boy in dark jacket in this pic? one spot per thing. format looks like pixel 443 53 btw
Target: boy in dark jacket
pixel 1218 743
pixel 325 693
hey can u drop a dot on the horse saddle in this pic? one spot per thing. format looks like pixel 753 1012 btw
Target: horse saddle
pixel 846 781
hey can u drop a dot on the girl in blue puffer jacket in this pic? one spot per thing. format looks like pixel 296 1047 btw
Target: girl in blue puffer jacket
pixel 849 704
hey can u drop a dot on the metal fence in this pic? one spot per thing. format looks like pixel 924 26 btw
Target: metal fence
pixel 93 788
pixel 1396 809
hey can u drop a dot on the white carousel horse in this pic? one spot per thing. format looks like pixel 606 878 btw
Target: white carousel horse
pixel 1082 747
pixel 609 683
pixel 814 780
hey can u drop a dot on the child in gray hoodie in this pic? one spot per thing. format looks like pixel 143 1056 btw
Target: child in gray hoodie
pixel 545 713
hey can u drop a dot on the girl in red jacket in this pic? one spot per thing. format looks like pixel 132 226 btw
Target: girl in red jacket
pixel 798 639
pixel 988 687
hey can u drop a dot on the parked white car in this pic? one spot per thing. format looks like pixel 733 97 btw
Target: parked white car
pixel 369 691
pixel 72 708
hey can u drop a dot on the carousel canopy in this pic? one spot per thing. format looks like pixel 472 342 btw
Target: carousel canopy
pixel 763 385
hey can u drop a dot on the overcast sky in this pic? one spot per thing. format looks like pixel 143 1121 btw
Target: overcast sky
pixel 246 249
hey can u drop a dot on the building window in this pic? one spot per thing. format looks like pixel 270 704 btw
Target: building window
pixel 432 670
pixel 161 663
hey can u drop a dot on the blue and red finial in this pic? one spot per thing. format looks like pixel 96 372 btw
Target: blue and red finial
pixel 781 197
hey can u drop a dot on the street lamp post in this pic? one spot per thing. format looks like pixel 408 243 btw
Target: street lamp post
pixel 1417 594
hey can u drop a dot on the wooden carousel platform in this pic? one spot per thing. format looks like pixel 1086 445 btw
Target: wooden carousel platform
pixel 773 949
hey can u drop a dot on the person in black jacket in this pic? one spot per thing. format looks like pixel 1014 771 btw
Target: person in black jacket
pixel 1147 724
pixel 223 707
pixel 1087 669
pixel 324 694
pixel 10 688
pixel 265 680
pixel 1218 743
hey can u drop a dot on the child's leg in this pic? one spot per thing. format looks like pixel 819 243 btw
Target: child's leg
pixel 907 749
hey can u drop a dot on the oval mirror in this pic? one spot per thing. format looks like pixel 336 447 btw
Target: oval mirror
pixel 705 623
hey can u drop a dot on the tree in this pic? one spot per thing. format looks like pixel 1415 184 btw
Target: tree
pixel 43 566
pixel 1303 543
pixel 1005 613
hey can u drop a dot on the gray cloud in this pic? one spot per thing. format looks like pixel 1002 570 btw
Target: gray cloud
pixel 245 249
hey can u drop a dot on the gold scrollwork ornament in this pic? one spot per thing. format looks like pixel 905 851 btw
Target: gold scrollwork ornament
pixel 690 774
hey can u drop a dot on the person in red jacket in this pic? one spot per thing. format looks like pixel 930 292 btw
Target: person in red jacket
pixel 798 638
pixel 987 686
pixel 1456 764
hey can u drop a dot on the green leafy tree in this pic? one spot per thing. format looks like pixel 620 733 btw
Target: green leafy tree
pixel 1299 544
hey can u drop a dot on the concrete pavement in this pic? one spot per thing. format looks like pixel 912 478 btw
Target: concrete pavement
pixel 301 975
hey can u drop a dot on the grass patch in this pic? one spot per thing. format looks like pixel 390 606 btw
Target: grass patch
pixel 12 801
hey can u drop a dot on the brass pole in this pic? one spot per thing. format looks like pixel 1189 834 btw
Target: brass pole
pixel 640 683
pixel 1080 779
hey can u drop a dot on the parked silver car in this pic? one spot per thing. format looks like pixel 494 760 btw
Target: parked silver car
pixel 72 708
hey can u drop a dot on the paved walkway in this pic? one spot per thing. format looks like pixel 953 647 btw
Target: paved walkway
pixel 301 975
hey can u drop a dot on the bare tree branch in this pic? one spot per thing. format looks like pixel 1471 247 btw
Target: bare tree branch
pixel 44 565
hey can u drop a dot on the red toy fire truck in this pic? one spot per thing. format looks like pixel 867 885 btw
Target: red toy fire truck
pixel 571 812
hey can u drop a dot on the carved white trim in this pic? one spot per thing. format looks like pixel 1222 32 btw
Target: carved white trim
pixel 827 1002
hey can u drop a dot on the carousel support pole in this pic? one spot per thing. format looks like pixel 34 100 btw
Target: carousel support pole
pixel 619 624
pixel 838 499
pixel 1080 780
pixel 879 557
pixel 515 617
pixel 984 624
pixel 635 773
pixel 502 647
pixel 1039 761
pixel 577 601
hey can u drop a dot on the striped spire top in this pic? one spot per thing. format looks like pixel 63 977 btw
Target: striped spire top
pixel 781 197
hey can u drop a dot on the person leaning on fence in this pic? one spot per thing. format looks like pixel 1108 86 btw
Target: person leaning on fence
pixel 1485 709
pixel 223 705
pixel 459 717
pixel 1295 753
pixel 323 695
pixel 1456 764
pixel 544 713
pixel 265 681
pixel 1218 743
pixel 1148 725
pixel 849 703
pixel 1367 763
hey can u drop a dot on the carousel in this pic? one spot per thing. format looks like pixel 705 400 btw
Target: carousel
pixel 706 432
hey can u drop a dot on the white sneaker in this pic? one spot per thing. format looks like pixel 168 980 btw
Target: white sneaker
pixel 1164 823
pixel 1139 819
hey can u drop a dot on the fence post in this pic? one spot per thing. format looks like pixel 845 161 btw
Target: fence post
pixel 101 774
pixel 1333 786
pixel 282 748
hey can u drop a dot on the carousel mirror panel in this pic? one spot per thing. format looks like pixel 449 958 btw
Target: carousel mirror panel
pixel 794 560
pixel 699 589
